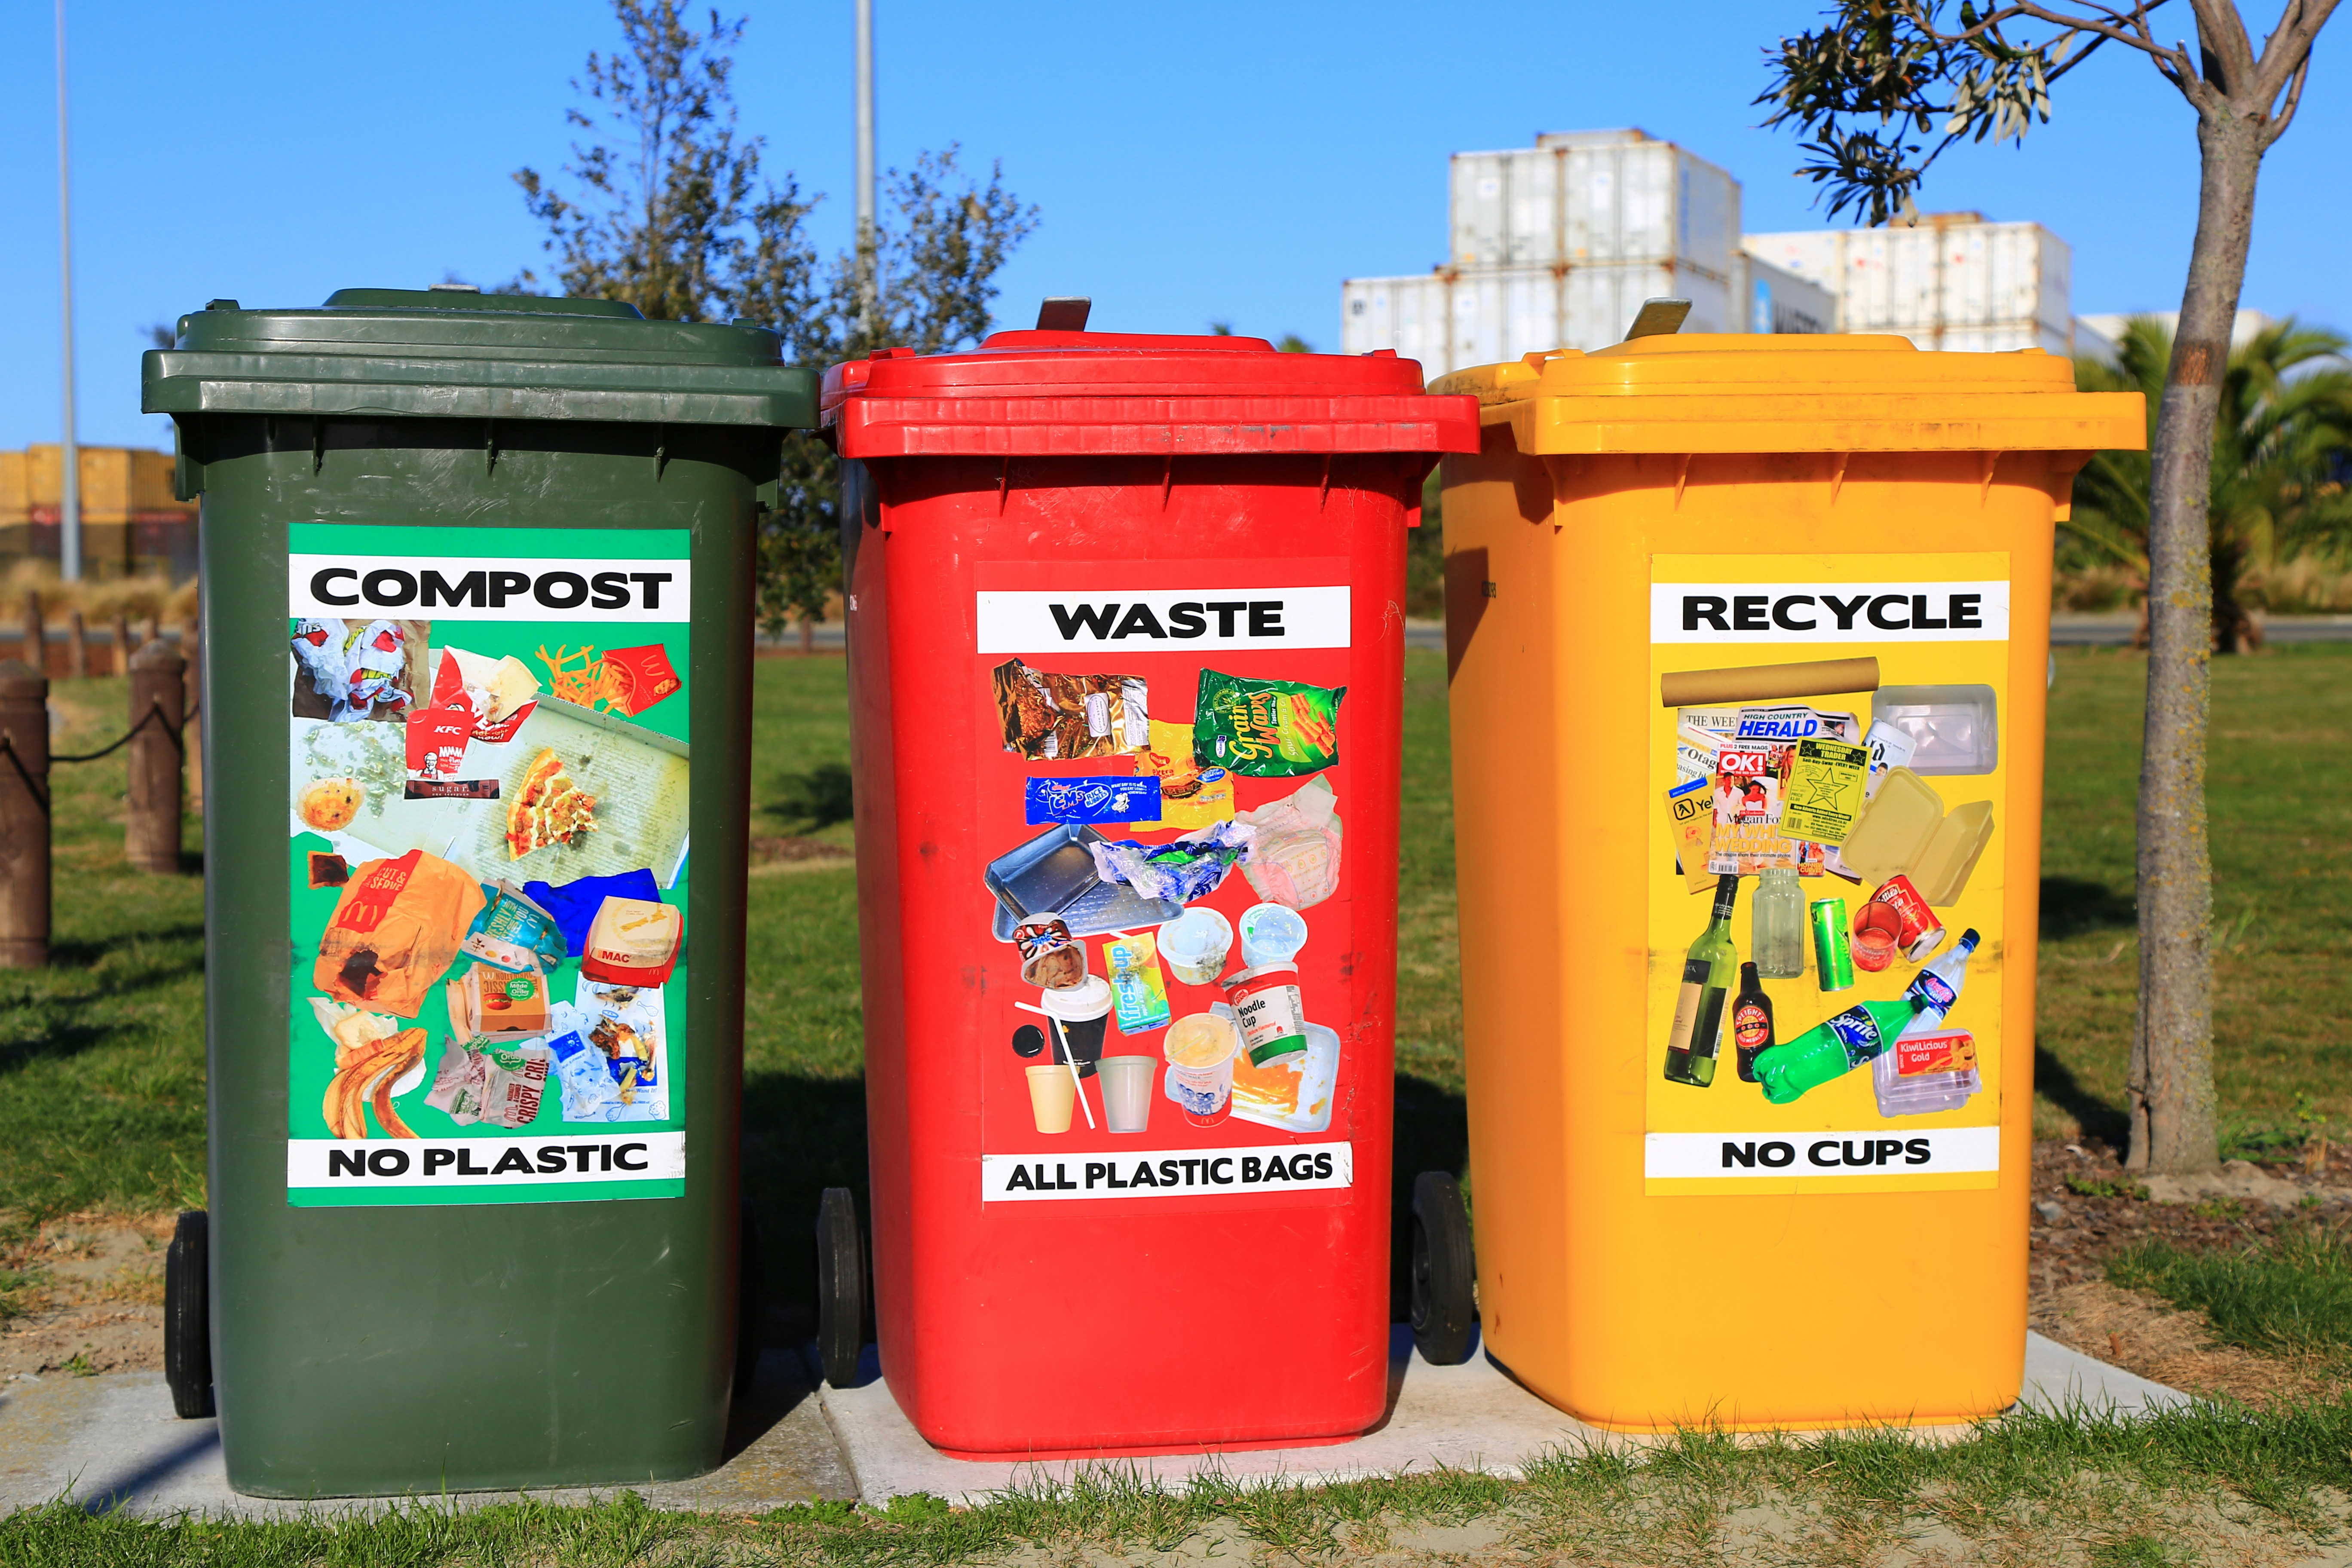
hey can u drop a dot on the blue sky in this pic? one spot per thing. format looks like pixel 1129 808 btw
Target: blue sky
pixel 1211 161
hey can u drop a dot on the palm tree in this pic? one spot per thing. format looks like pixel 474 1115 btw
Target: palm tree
pixel 2281 446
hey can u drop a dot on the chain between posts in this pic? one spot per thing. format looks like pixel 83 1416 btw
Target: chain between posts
pixel 154 713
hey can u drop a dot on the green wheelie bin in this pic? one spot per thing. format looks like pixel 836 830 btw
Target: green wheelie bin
pixel 477 626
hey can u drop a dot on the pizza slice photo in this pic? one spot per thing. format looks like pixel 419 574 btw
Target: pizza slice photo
pixel 548 808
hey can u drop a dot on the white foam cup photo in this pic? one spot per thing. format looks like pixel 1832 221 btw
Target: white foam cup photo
pixel 1127 1092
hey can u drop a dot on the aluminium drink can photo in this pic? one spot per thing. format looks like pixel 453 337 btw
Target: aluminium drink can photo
pixel 1833 949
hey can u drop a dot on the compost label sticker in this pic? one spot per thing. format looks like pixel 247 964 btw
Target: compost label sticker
pixel 1824 879
pixel 486 865
pixel 1165 929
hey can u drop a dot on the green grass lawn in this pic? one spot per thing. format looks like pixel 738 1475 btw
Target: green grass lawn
pixel 2282 892
pixel 101 1054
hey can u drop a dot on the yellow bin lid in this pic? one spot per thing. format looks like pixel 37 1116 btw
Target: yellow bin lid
pixel 1792 392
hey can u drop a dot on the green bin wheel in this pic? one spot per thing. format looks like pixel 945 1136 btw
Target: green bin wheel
pixel 840 1287
pixel 187 1318
pixel 751 1304
pixel 1444 1319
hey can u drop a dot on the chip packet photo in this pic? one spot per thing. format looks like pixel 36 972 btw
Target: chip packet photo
pixel 637 678
pixel 1190 794
pixel 1261 728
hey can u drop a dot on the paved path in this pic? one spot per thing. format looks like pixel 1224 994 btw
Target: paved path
pixel 113 1440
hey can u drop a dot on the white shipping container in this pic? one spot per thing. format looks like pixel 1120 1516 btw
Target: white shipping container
pixel 1406 314
pixel 1594 196
pixel 1948 275
pixel 2005 337
pixel 1778 301
pixel 1453 320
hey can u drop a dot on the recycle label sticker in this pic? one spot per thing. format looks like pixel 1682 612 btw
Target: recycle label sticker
pixel 1844 713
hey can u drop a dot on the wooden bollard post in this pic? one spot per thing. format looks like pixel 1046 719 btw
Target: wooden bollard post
pixel 121 643
pixel 191 643
pixel 151 836
pixel 35 651
pixel 192 647
pixel 77 646
pixel 24 817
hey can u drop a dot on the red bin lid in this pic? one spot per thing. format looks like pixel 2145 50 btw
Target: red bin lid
pixel 1077 394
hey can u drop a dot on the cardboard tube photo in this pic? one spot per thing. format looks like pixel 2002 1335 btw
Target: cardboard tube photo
pixel 1763 682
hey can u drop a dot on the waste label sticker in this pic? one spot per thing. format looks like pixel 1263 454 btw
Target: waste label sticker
pixel 1167 1173
pixel 1013 621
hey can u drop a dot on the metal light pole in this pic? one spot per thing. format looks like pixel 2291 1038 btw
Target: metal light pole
pixel 865 289
pixel 69 457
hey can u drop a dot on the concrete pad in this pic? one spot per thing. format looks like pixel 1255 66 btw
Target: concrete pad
pixel 1471 1417
pixel 112 1441
pixel 2065 1382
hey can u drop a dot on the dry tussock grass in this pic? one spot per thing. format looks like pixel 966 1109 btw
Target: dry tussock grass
pixel 2147 1335
pixel 99 601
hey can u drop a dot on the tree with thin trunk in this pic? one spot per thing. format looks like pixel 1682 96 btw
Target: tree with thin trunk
pixel 666 208
pixel 1879 90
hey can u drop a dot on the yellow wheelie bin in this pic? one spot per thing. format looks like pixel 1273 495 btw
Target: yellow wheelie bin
pixel 1748 641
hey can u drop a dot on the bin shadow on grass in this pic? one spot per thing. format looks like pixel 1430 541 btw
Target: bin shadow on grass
pixel 2056 1082
pixel 2073 905
pixel 1433 1134
pixel 802 1133
pixel 53 1018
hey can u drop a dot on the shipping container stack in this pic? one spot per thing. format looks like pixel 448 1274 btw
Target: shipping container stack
pixel 1950 281
pixel 1558 245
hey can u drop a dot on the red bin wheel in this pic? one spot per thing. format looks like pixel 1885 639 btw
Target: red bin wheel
pixel 1444 1320
pixel 840 1287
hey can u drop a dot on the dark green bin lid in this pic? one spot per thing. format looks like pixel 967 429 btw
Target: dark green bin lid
pixel 452 354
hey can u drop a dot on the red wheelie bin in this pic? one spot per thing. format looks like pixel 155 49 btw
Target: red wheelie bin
pixel 1126 658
